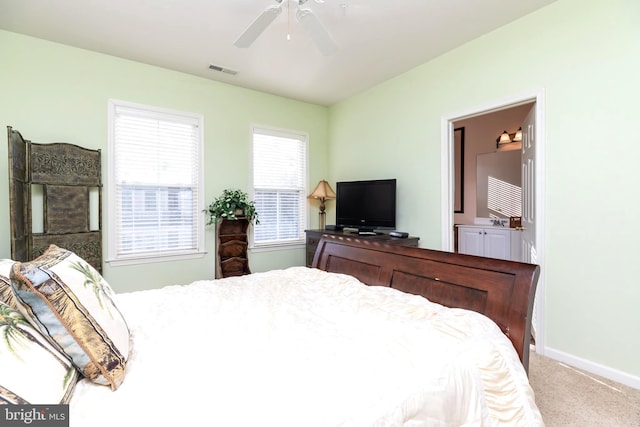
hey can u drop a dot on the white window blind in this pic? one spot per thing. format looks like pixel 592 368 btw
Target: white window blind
pixel 155 180
pixel 279 185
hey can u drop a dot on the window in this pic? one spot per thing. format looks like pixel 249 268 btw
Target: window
pixel 155 184
pixel 279 186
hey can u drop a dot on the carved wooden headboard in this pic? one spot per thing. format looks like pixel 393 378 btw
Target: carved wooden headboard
pixel 67 175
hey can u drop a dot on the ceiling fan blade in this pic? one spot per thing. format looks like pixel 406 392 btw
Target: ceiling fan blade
pixel 314 28
pixel 258 26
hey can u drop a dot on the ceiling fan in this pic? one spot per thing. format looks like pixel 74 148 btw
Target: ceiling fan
pixel 306 17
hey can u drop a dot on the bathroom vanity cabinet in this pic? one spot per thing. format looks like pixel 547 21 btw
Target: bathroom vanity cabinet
pixel 490 241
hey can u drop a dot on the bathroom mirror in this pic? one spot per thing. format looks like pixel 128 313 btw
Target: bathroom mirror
pixel 498 185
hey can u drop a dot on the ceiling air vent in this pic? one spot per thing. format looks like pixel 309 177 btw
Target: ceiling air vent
pixel 222 69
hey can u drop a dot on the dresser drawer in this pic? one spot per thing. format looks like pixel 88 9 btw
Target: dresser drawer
pixel 233 248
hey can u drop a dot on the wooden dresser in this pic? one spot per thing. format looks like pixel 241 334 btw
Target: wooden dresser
pixel 231 244
pixel 314 236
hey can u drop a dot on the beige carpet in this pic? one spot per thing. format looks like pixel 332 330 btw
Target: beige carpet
pixel 570 397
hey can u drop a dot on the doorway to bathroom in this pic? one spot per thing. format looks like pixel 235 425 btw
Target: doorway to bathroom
pixel 524 111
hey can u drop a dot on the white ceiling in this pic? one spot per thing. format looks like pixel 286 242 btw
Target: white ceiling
pixel 376 39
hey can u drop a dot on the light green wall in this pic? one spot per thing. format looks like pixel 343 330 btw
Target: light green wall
pixel 50 92
pixel 585 55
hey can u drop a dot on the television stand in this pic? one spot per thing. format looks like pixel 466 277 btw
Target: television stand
pixel 314 236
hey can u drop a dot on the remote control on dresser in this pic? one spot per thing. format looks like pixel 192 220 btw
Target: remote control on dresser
pixel 400 234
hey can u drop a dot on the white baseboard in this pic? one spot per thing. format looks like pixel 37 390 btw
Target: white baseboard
pixel 592 367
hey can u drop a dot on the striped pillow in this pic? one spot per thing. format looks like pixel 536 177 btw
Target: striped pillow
pixel 31 370
pixel 69 302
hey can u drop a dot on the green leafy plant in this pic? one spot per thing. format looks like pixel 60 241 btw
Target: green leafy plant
pixel 232 204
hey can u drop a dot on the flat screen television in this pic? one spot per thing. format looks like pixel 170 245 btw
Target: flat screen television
pixel 366 205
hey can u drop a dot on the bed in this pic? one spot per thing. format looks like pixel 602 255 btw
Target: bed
pixel 346 343
pixel 372 335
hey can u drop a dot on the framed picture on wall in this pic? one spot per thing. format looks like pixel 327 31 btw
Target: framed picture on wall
pixel 458 154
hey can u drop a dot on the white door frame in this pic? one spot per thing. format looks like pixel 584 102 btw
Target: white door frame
pixel 447 189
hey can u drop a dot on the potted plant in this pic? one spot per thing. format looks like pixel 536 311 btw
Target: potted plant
pixel 232 204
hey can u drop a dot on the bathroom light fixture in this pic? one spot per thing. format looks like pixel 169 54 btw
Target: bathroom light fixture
pixel 507 138
pixel 504 138
pixel 518 136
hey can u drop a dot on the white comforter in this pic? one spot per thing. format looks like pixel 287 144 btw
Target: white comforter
pixel 301 347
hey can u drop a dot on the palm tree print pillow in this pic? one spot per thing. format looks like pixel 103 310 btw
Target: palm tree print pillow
pixel 31 370
pixel 6 293
pixel 70 303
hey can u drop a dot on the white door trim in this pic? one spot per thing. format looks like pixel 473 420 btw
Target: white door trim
pixel 447 189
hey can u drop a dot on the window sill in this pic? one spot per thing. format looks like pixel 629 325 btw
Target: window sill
pixel 152 259
pixel 277 247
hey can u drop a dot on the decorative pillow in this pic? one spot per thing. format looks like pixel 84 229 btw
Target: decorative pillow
pixel 70 303
pixel 6 293
pixel 31 370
